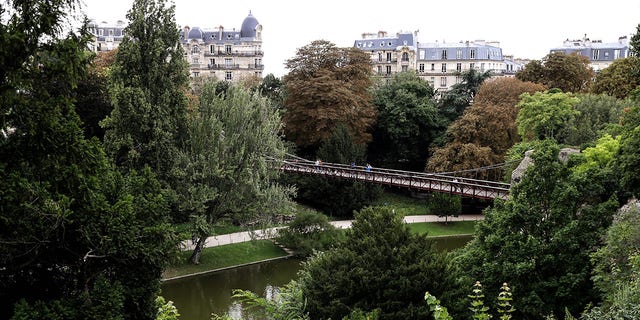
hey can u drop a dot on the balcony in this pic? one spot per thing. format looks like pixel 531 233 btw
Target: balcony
pixel 234 53
pixel 223 66
pixel 256 66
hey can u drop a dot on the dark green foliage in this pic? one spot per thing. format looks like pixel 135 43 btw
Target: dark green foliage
pixel 148 83
pixel 381 265
pixel 596 115
pixel 309 232
pixel 444 204
pixel 540 240
pixel 634 43
pixel 628 158
pixel 567 72
pixel 338 197
pixel 408 122
pixel 461 95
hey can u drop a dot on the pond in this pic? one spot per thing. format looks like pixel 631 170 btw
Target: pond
pixel 198 296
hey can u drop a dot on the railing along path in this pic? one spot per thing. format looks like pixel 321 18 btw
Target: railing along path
pixel 466 187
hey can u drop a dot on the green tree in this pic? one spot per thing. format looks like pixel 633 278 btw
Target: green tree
pixel 634 43
pixel 224 170
pixel 381 265
pixel 627 160
pixel 77 239
pixel 327 86
pixel 408 122
pixel 596 115
pixel 308 232
pixel 445 205
pixel 273 88
pixel 338 197
pixel 543 115
pixel 149 80
pixel 461 95
pixel 619 79
pixel 567 72
pixel 541 238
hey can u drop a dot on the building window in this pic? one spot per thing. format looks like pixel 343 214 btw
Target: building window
pixel 459 67
pixel 405 56
pixel 100 32
pixel 195 50
pixel 388 56
pixel 433 67
pixel 432 80
pixel 228 76
pixel 459 54
pixel 444 54
pixel 380 56
pixel 472 66
pixel 444 67
pixel 421 67
pixel 195 60
pixel 422 54
pixel 379 70
pixel 228 62
pixel 616 53
pixel 596 54
pixel 472 54
pixel 227 48
pixel 110 32
pixel 443 81
pixel 212 62
pixel 388 70
pixel 482 67
pixel 212 48
pixel 196 74
pixel 405 68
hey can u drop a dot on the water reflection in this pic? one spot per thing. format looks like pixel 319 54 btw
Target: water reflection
pixel 199 296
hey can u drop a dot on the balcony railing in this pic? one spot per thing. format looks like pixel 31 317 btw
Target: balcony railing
pixel 223 66
pixel 234 53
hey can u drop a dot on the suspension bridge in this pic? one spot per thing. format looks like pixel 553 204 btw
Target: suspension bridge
pixel 447 182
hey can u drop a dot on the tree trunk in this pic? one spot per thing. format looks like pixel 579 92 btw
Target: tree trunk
pixel 197 251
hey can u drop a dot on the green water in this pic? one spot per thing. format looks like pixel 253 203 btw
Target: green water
pixel 198 296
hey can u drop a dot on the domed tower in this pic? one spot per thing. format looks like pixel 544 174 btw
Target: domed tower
pixel 251 28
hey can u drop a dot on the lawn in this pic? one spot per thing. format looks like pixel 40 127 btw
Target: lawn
pixel 225 256
pixel 435 229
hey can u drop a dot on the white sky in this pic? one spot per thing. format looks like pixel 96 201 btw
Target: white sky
pixel 523 29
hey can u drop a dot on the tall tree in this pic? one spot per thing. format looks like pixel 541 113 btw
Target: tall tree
pixel 619 79
pixel 540 239
pixel 634 43
pixel 149 80
pixel 77 240
pixel 224 171
pixel 408 122
pixel 327 85
pixel 567 72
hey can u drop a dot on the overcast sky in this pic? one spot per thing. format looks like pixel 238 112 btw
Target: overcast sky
pixel 525 29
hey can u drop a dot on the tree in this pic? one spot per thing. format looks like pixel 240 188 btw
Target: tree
pixel 149 80
pixel 596 115
pixel 461 95
pixel 567 72
pixel 272 88
pixel 408 122
pixel 381 265
pixel 489 123
pixel 326 86
pixel 544 115
pixel 627 159
pixel 445 205
pixel 77 239
pixel 338 197
pixel 541 238
pixel 225 168
pixel 307 233
pixel 634 43
pixel 619 79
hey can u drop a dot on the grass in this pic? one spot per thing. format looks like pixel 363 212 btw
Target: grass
pixel 225 256
pixel 403 205
pixel 435 229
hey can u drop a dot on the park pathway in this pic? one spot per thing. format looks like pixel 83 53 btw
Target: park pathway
pixel 270 233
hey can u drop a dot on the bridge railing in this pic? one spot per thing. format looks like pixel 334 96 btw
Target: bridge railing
pixel 416 180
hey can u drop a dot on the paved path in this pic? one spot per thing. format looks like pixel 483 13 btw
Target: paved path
pixel 343 224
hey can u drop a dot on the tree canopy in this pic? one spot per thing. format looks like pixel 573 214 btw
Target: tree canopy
pixel 619 79
pixel 326 86
pixel 567 72
pixel 544 115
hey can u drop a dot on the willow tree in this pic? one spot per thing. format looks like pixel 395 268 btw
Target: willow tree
pixel 148 83
pixel 226 168
pixel 326 86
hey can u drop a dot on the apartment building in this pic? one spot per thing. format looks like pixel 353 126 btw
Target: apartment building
pixel 600 54
pixel 226 54
pixel 438 63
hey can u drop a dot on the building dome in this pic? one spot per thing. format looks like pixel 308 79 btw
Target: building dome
pixel 195 33
pixel 249 25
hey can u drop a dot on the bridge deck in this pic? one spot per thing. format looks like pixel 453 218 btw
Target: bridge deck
pixel 465 187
